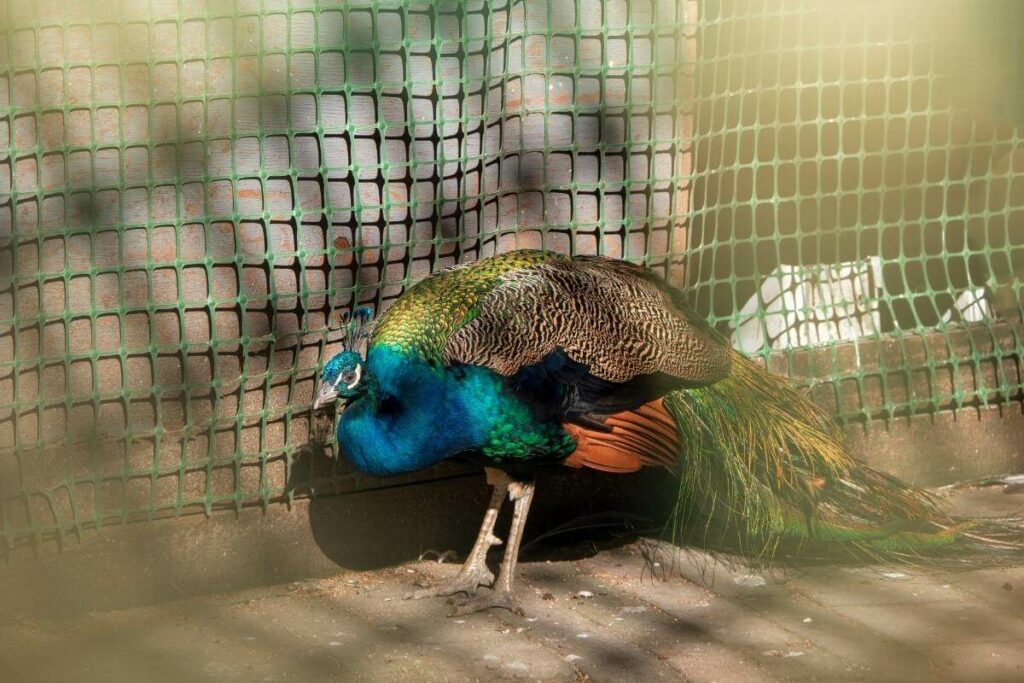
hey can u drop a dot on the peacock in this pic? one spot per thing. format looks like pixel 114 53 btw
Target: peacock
pixel 531 359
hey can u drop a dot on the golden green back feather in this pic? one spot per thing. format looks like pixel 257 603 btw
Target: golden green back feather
pixel 426 316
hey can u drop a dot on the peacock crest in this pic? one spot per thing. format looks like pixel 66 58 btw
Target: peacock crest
pixel 358 327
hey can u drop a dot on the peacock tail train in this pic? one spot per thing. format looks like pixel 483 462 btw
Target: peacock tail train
pixel 763 473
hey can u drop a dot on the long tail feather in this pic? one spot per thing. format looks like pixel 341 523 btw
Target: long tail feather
pixel 764 473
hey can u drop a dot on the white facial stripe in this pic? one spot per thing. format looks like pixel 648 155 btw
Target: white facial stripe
pixel 353 384
pixel 359 376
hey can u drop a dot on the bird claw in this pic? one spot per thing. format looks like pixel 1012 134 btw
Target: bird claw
pixel 464 582
pixel 500 598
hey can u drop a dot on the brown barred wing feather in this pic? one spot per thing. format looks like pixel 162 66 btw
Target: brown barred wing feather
pixel 618 320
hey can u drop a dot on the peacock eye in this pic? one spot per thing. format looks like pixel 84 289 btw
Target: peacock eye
pixel 351 378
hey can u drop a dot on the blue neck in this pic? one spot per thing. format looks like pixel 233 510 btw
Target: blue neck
pixel 413 415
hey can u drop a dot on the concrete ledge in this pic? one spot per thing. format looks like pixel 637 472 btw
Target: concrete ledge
pixel 932 450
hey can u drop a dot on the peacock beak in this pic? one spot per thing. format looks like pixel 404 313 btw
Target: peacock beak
pixel 325 396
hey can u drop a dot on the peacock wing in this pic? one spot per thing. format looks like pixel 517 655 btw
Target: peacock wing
pixel 424 319
pixel 616 320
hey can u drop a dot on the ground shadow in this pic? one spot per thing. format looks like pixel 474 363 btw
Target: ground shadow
pixel 575 514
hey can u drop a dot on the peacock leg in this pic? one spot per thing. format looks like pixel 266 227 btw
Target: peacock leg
pixel 503 594
pixel 474 572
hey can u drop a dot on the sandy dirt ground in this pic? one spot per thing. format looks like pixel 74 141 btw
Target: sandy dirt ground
pixel 608 614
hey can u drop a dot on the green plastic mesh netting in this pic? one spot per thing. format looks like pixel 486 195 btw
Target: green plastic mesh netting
pixel 192 192
pixel 195 190
pixel 858 198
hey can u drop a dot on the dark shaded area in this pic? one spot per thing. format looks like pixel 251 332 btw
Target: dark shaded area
pixel 571 507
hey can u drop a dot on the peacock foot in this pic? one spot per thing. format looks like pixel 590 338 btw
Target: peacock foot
pixel 504 599
pixel 466 581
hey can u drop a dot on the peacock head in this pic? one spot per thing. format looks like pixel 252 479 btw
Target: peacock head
pixel 343 375
pixel 342 378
